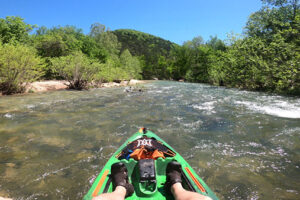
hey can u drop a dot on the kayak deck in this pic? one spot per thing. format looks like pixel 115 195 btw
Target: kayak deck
pixel 151 184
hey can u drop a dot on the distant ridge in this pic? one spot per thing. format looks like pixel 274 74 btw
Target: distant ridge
pixel 140 43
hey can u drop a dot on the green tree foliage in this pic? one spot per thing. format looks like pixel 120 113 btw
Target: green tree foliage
pixel 253 63
pixel 63 41
pixel 106 39
pixel 14 29
pixel 216 70
pixel 110 71
pixel 269 57
pixel 19 65
pixel 193 60
pixel 117 69
pixel 109 41
pixel 97 29
pixel 194 43
pixel 58 41
pixel 216 44
pixel 77 69
pixel 199 65
pixel 276 17
pixel 50 45
pixel 180 62
pixel 131 65
pixel 93 49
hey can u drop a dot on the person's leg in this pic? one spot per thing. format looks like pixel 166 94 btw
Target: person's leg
pixel 180 193
pixel 174 185
pixel 120 182
pixel 118 194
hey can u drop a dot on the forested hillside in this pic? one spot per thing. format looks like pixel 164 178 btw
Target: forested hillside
pixel 266 57
pixel 139 43
pixel 151 49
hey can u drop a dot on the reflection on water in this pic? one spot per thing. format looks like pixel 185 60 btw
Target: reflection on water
pixel 245 145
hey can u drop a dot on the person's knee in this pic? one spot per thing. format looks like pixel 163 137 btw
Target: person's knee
pixel 205 198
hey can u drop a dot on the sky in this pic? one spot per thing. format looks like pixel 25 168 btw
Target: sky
pixel 174 20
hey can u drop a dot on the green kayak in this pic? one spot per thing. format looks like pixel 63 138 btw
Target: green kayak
pixel 146 156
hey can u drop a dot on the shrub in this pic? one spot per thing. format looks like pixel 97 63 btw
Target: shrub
pixel 19 65
pixel 77 69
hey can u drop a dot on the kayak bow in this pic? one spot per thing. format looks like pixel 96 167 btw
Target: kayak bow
pixel 146 156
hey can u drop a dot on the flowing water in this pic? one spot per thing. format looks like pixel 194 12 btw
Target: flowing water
pixel 245 145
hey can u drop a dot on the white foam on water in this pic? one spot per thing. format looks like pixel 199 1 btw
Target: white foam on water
pixel 9 116
pixel 43 176
pixel 279 108
pixel 288 132
pixel 292 191
pixel 193 125
pixel 207 106
pixel 278 151
pixel 168 87
pixel 30 106
pixel 179 119
pixel 253 144
pixel 156 91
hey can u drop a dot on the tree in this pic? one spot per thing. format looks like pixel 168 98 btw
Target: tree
pixel 110 43
pixel 93 49
pixel 14 29
pixel 97 29
pixel 216 70
pixel 131 65
pixel 19 65
pixel 50 45
pixel 252 63
pixel 58 41
pixel 199 65
pixel 216 44
pixel 106 39
pixel 276 17
pixel 274 40
pixel 41 30
pixel 195 43
pixel 111 71
pixel 180 62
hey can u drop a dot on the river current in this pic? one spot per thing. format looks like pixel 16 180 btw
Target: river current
pixel 244 145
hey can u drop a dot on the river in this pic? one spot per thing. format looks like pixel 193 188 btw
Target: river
pixel 245 145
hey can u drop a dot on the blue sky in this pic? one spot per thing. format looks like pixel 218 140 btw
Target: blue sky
pixel 174 20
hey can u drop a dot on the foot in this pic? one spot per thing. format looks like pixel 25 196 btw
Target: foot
pixel 119 176
pixel 173 173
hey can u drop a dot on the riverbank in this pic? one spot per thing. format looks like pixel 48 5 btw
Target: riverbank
pixel 3 198
pixel 50 85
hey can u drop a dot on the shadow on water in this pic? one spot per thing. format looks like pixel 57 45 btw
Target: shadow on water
pixel 245 145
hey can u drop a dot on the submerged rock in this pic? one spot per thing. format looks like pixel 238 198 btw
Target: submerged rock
pixel 134 89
